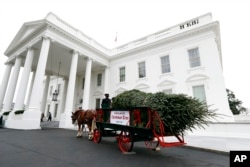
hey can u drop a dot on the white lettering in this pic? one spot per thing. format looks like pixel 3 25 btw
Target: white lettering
pixel 239 158
pixel 243 157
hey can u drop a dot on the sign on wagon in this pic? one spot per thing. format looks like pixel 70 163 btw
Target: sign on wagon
pixel 120 117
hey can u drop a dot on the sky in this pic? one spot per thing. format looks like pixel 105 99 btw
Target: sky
pixel 133 19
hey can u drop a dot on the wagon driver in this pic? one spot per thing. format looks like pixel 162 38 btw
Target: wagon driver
pixel 106 102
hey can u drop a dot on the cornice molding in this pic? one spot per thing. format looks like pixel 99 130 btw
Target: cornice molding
pixel 73 43
pixel 177 37
pixel 59 31
pixel 28 41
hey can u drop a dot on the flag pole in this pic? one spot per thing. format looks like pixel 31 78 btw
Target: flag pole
pixel 116 40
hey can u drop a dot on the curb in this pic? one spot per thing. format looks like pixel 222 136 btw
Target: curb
pixel 207 149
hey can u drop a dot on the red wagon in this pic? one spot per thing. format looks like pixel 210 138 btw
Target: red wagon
pixel 133 125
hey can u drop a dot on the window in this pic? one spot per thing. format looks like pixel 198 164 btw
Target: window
pixel 48 109
pixel 55 110
pixel 59 88
pixel 99 79
pixel 194 58
pixel 50 90
pixel 122 74
pixel 97 103
pixel 165 64
pixel 83 83
pixel 142 70
pixel 199 93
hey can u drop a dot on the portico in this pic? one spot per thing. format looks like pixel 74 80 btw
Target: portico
pixel 39 47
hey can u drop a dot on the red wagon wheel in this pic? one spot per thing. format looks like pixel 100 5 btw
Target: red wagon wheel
pixel 97 136
pixel 124 141
pixel 154 124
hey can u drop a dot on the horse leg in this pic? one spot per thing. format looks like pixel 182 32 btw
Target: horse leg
pixel 84 128
pixel 77 135
pixel 90 131
pixel 79 131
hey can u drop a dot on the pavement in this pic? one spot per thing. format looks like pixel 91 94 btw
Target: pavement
pixel 59 147
pixel 209 143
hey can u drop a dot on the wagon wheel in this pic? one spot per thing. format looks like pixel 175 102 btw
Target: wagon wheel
pixel 125 141
pixel 97 136
pixel 155 124
pixel 152 144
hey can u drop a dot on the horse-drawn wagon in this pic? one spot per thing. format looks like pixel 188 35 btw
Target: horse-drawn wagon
pixel 133 125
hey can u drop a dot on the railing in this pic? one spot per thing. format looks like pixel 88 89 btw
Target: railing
pixel 137 43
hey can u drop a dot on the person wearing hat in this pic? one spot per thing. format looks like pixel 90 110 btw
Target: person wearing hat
pixel 106 102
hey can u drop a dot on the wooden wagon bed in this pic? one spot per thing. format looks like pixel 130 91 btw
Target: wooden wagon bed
pixel 141 124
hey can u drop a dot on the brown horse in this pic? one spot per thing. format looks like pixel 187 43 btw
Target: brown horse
pixel 82 117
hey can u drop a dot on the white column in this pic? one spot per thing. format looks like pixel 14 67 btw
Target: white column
pixel 106 80
pixel 45 94
pixel 71 85
pixel 4 84
pixel 30 89
pixel 86 93
pixel 12 85
pixel 31 117
pixel 65 121
pixel 61 105
pixel 24 80
pixel 38 82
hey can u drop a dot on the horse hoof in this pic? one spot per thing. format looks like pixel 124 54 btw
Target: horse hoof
pixel 90 137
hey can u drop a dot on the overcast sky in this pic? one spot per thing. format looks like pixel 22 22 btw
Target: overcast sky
pixel 132 19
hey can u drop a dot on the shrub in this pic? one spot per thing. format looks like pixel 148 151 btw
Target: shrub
pixel 19 112
pixel 6 113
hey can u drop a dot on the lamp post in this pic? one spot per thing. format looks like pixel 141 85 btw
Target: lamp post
pixel 54 96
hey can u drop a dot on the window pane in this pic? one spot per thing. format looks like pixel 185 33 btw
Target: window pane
pixel 83 82
pixel 55 110
pixel 98 103
pixel 99 79
pixel 59 88
pixel 194 58
pixel 50 91
pixel 165 64
pixel 142 70
pixel 122 74
pixel 199 93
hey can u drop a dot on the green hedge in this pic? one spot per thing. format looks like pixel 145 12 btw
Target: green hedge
pixel 6 113
pixel 19 112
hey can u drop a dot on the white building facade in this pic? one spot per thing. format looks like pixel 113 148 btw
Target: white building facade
pixel 185 58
